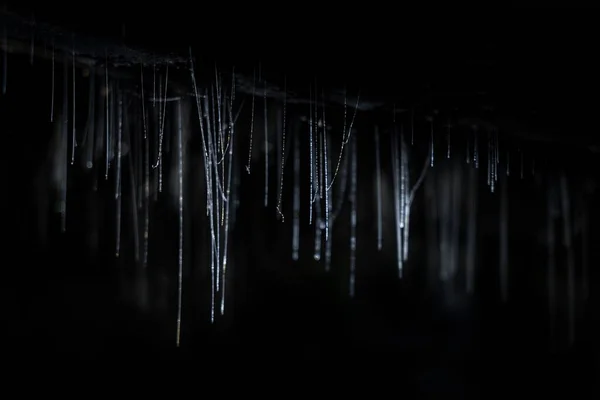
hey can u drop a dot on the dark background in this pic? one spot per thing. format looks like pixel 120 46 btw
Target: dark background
pixel 535 68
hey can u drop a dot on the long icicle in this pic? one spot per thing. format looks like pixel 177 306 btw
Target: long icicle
pixel 180 203
pixel 228 205
pixel 378 182
pixel 353 218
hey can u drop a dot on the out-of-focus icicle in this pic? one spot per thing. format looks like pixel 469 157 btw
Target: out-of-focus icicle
pixel 475 146
pixel 471 231
pixel 266 145
pixel 296 205
pixel 406 197
pixel 64 146
pixel 448 140
pixel 396 186
pixel 53 83
pixel 133 185
pixel 504 240
pixel 431 144
pixel 73 114
pixel 585 217
pixel 551 214
pixel 107 119
pixel 378 193
pixel 567 242
pixel 445 224
pixel 118 171
pixel 457 192
pixel 353 201
pixel 403 177
pixel 89 137
pixel 146 161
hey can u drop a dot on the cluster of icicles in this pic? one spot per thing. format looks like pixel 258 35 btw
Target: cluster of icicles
pixel 107 137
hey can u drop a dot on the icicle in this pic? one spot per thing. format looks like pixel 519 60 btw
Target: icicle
pixel 180 202
pixel 229 204
pixel 208 176
pixel 53 83
pixel 202 134
pixel 99 136
pixel 107 120
pixel 74 132
pixel 296 205
pixel 89 138
pixel 448 141
pixel 266 146
pixel 211 207
pixel 468 152
pixel 345 135
pixel 317 250
pixel 146 204
pixel 396 186
pixel 472 231
pixel 282 170
pixel 432 144
pixel 402 178
pixel 378 194
pixel 407 198
pixel 64 146
pixel 343 186
pixel 325 175
pixel 134 194
pixel 475 147
pixel 118 177
pixel 216 135
pixel 353 201
pixel 496 155
pixel 311 155
pixel 159 162
pixel 329 243
pixel 251 124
